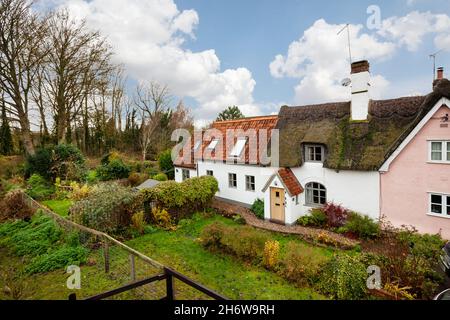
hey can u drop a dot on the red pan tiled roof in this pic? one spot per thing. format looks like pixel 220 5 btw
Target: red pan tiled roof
pixel 290 181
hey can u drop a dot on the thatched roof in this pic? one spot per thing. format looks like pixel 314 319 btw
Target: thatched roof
pixel 353 145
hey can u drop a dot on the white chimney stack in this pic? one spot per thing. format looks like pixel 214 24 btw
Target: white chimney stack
pixel 360 77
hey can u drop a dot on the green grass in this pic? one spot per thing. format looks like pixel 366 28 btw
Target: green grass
pixel 60 207
pixel 225 274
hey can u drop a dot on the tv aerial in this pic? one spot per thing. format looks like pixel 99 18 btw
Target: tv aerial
pixel 433 56
pixel 347 26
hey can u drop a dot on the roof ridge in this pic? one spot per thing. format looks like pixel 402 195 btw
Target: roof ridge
pixel 267 117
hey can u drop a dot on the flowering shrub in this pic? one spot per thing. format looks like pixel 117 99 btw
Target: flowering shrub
pixel 271 253
pixel 336 215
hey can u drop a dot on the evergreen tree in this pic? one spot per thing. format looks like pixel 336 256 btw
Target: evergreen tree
pixel 230 113
pixel 6 142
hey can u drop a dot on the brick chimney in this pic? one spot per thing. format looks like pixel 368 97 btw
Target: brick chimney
pixel 360 77
pixel 439 77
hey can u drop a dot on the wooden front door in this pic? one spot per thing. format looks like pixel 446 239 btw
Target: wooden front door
pixel 277 204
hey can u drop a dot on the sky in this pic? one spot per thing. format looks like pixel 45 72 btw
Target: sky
pixel 261 54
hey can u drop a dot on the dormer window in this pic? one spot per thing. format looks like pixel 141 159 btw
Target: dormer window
pixel 314 153
pixel 238 147
pixel 213 144
pixel 439 151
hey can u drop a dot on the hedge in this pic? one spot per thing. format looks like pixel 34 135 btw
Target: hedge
pixel 182 199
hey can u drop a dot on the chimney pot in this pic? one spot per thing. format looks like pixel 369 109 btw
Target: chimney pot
pixel 440 73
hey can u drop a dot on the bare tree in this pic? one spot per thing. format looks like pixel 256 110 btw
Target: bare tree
pixel 154 101
pixel 22 50
pixel 78 65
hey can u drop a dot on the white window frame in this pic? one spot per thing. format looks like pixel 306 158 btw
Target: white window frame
pixel 250 183
pixel 445 205
pixel 445 151
pixel 309 196
pixel 238 147
pixel 208 173
pixel 185 176
pixel 308 154
pixel 213 144
pixel 230 180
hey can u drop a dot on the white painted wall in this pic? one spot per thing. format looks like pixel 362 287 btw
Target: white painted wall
pixel 355 190
pixel 239 194
pixel 179 173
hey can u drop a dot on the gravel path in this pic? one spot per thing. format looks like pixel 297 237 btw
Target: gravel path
pixel 318 236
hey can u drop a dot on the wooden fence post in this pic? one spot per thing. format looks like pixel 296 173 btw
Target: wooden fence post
pixel 132 268
pixel 106 255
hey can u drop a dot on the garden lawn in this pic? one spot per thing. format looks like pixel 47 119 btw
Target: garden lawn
pixel 60 207
pixel 182 251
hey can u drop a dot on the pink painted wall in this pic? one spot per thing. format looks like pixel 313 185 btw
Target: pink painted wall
pixel 405 187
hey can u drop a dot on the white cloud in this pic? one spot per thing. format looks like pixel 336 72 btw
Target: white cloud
pixel 320 60
pixel 411 29
pixel 148 37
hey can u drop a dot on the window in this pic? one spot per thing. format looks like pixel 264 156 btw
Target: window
pixel 186 174
pixel 232 180
pixel 210 173
pixel 314 153
pixel 213 144
pixel 238 147
pixel 440 151
pixel 440 204
pixel 250 183
pixel 316 194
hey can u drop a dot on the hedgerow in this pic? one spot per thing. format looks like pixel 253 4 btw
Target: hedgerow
pixel 182 199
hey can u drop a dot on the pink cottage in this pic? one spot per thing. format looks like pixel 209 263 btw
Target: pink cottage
pixel 415 178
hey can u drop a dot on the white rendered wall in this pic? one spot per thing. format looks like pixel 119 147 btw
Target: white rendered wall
pixel 221 170
pixel 355 190
pixel 179 173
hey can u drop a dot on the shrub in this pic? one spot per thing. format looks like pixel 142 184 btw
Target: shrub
pixel 271 253
pixel 300 264
pixel 39 188
pixel 136 178
pixel 138 221
pixel 316 218
pixel 13 206
pixel 166 164
pixel 258 208
pixel 336 215
pixel 79 192
pixel 160 177
pixel 113 170
pixel 244 242
pixel 362 226
pixel 162 218
pixel 182 199
pixel 344 277
pixel 108 208
pixel 239 219
pixel 65 161
pixel 212 235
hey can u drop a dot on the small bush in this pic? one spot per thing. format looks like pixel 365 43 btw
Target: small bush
pixel 160 177
pixel 362 226
pixel 39 188
pixel 244 242
pixel 300 264
pixel 79 192
pixel 113 170
pixel 13 206
pixel 136 178
pixel 316 218
pixel 138 221
pixel 344 277
pixel 258 208
pixel 166 164
pixel 271 254
pixel 336 215
pixel 65 161
pixel 161 218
